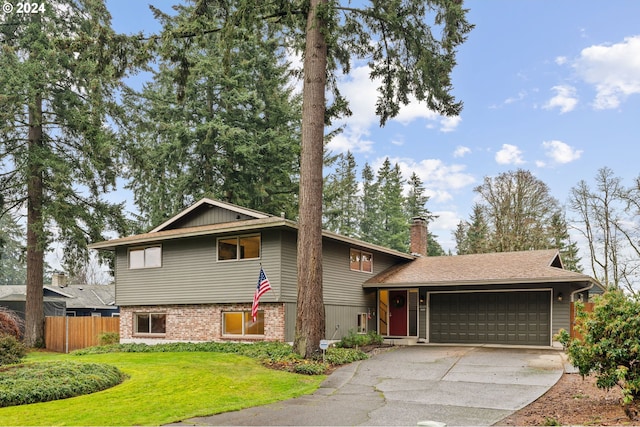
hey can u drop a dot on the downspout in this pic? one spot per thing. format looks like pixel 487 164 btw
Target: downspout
pixel 580 290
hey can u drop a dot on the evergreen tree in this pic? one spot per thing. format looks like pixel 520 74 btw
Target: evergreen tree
pixel 60 71
pixel 402 52
pixel 415 203
pixel 341 200
pixel 369 215
pixel 561 240
pixel 12 263
pixel 394 229
pixel 478 238
pixel 460 236
pixel 433 247
pixel 229 129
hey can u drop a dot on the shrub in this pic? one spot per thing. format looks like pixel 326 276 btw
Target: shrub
pixel 610 346
pixel 108 338
pixel 12 350
pixel 10 323
pixel 343 356
pixel 43 382
pixel 310 367
pixel 353 339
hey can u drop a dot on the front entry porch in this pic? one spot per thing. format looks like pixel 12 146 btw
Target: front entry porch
pixel 398 314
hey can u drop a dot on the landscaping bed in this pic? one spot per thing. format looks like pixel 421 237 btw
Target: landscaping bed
pixel 573 400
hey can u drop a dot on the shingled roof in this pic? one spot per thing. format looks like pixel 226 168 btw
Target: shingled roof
pixel 542 266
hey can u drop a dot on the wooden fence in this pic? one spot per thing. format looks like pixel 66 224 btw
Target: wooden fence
pixel 65 334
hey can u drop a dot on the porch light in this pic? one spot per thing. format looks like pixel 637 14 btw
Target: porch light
pixel 560 296
pixel 421 299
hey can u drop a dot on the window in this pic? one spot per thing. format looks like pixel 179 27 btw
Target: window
pixel 145 257
pixel 240 247
pixel 360 261
pixel 150 323
pixel 362 323
pixel 241 323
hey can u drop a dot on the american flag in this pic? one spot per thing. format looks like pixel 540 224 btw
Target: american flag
pixel 263 286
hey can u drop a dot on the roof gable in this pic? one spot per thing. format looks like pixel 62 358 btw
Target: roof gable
pixel 209 212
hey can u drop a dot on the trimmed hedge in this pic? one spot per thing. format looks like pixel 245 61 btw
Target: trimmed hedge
pixel 43 382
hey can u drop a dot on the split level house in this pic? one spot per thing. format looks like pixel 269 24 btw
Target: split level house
pixel 193 278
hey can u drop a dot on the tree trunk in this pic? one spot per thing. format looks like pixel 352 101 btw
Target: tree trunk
pixel 310 316
pixel 34 322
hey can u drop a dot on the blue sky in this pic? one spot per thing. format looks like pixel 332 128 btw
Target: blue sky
pixel 551 87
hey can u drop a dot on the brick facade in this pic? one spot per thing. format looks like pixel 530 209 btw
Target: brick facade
pixel 201 322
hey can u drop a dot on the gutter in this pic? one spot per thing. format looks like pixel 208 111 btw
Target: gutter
pixel 581 290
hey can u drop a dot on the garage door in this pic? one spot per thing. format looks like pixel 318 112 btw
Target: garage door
pixel 520 318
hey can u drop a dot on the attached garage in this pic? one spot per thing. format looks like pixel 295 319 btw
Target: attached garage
pixel 510 298
pixel 514 318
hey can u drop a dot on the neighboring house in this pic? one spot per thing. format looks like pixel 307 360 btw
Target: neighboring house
pixel 74 300
pixel 193 278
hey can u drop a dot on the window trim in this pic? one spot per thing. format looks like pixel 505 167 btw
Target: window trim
pixel 150 314
pixel 238 237
pixel 144 250
pixel 243 334
pixel 360 254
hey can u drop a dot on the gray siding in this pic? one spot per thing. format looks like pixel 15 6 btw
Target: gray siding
pixel 191 274
pixel 339 319
pixel 207 215
pixel 342 286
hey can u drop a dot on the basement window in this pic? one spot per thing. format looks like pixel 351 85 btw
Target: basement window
pixel 150 323
pixel 360 261
pixel 241 323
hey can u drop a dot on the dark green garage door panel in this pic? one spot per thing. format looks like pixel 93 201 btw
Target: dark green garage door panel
pixel 521 318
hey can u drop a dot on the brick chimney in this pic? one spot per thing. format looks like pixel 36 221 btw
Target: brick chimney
pixel 418 235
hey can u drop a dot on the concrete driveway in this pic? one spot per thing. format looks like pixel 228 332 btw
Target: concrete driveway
pixel 414 385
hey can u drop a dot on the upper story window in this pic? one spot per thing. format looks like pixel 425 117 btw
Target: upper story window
pixel 238 247
pixel 146 257
pixel 361 261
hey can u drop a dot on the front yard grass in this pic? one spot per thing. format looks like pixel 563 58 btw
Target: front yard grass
pixel 164 388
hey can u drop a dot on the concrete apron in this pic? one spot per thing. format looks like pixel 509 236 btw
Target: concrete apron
pixel 416 385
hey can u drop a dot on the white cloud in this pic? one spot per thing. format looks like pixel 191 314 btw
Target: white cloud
pixel 461 151
pixel 521 95
pixel 561 60
pixel 614 71
pixel 449 124
pixel 439 179
pixel 565 99
pixel 560 152
pixel 415 110
pixel 362 94
pixel 509 154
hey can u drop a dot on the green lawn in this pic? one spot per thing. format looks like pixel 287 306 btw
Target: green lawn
pixel 164 388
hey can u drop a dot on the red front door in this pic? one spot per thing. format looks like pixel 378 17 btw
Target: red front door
pixel 398 313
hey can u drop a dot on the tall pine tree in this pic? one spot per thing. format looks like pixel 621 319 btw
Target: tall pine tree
pixel 404 55
pixel 341 199
pixel 394 229
pixel 60 71
pixel 229 128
